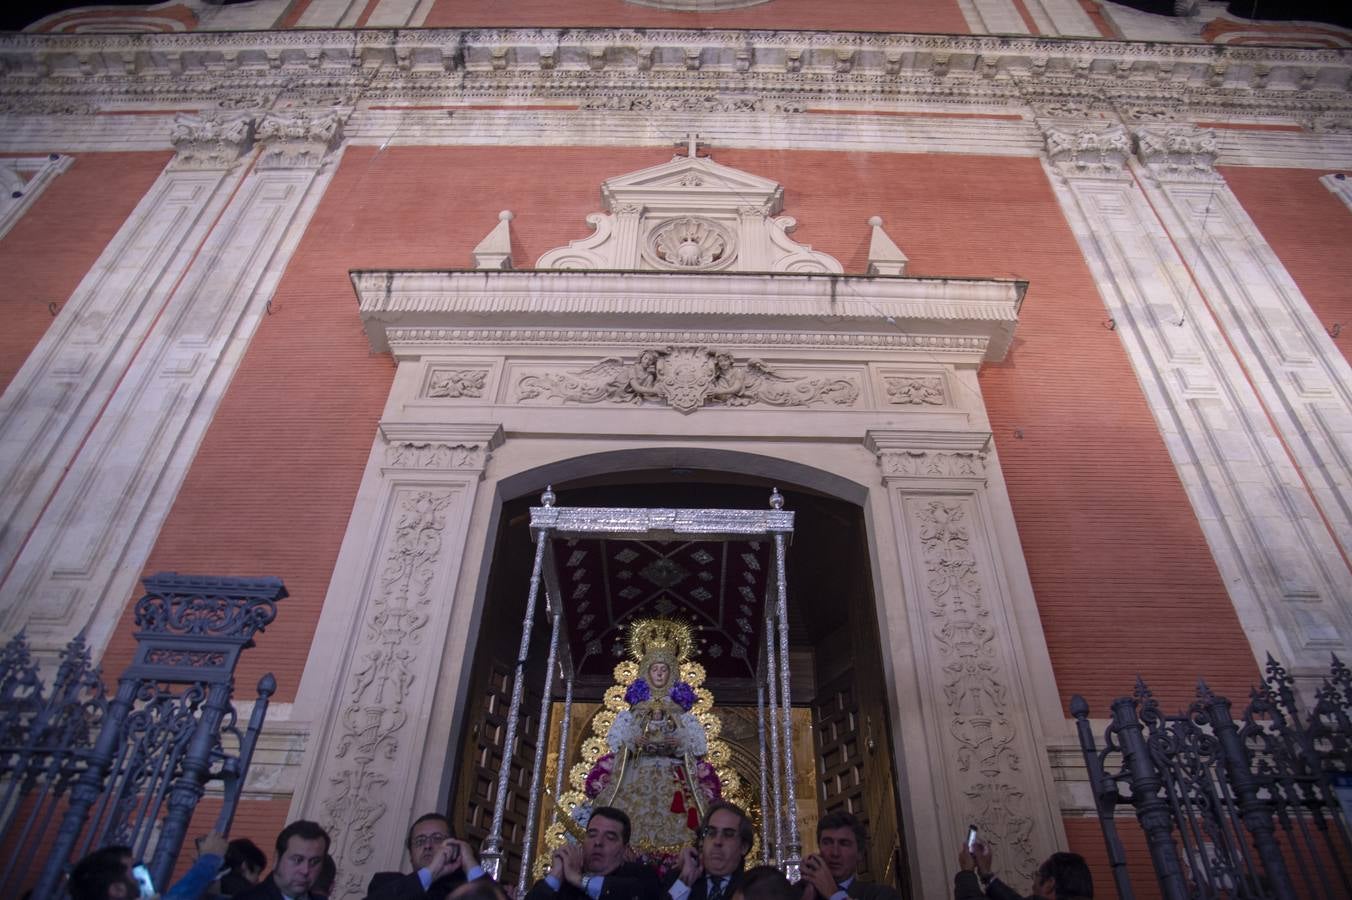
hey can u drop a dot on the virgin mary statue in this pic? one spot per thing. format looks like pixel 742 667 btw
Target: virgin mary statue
pixel 654 752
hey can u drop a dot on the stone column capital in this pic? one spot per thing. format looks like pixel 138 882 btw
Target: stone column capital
pixel 1177 152
pixel 211 140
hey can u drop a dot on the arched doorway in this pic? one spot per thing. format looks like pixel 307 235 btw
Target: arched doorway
pixel 840 707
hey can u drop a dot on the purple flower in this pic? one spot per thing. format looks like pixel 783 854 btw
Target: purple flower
pixel 683 695
pixel 638 692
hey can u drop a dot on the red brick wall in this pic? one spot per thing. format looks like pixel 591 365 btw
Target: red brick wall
pixel 1122 574
pixel 928 16
pixel 58 239
pixel 1310 230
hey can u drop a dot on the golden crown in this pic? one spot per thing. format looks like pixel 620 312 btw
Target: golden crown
pixel 666 636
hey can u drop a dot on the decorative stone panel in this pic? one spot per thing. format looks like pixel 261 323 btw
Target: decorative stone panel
pixel 212 140
pixel 968 645
pixel 686 379
pixel 368 697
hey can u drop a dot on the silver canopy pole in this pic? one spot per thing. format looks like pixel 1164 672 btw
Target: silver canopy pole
pixel 764 790
pixel 491 858
pixel 541 739
pixel 563 742
pixel 793 861
pixel 776 767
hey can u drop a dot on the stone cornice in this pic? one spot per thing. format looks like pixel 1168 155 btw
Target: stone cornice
pixel 967 317
pixel 679 70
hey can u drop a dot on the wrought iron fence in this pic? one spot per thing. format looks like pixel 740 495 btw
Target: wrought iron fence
pixel 130 769
pixel 1235 808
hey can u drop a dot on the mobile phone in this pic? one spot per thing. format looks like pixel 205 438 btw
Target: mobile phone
pixel 971 838
pixel 454 854
pixel 144 882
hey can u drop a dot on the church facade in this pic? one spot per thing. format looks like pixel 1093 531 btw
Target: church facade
pixel 1045 298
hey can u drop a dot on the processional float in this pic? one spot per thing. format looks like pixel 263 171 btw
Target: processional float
pixel 557 530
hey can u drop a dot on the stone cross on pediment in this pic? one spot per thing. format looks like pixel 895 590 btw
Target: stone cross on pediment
pixel 692 145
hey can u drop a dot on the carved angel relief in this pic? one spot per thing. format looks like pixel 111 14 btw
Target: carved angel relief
pixel 686 378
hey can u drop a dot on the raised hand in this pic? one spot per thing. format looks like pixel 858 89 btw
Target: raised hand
pixel 816 874
pixel 691 868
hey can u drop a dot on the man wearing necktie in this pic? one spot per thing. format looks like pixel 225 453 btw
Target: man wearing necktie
pixel 596 869
pixel 711 871
pixel 830 873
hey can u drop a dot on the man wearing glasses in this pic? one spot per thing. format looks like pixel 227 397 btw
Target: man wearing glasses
pixel 710 870
pixel 441 863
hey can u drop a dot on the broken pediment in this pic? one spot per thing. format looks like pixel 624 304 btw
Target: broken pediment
pixel 690 215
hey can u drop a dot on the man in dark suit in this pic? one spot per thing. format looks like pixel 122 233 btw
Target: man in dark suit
pixel 711 872
pixel 596 868
pixel 301 848
pixel 441 863
pixel 1062 876
pixel 830 873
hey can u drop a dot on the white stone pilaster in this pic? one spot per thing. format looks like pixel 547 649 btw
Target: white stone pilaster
pixel 22 180
pixel 61 390
pixel 1340 186
pixel 173 347
pixel 372 673
pixel 1278 560
pixel 1305 383
pixel 993 17
pixel 983 731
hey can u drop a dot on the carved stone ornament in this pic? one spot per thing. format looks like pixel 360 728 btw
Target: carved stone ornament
pixel 1178 152
pixel 211 140
pixel 687 378
pixel 693 214
pixel 974 684
pixel 374 710
pixel 1095 149
pixel 933 463
pixel 454 383
pixel 691 244
pixel 297 138
pixel 435 455
pixel 914 389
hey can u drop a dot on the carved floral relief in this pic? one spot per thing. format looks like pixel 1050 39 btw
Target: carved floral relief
pixel 454 383
pixel 686 379
pixel 374 712
pixel 973 683
pixel 914 389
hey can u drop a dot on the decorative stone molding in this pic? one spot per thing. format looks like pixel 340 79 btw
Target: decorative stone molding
pixel 933 464
pixel 686 379
pixel 1178 152
pixel 297 138
pixel 700 103
pixel 1096 149
pixel 948 319
pixel 212 140
pixel 691 214
pixel 456 383
pixel 434 455
pixel 22 180
pixel 919 390
pixel 317 67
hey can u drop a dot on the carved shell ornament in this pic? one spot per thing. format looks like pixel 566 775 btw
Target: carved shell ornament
pixel 691 244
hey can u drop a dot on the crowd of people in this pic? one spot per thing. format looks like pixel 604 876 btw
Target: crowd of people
pixel 600 866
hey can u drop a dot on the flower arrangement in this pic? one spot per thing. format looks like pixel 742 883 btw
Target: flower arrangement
pixel 682 694
pixel 638 692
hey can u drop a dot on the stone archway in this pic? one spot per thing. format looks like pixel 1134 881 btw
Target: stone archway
pixel 832 609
